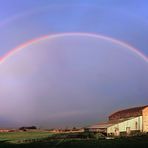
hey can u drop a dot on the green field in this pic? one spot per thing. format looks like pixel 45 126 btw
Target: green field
pixel 19 137
pixel 44 139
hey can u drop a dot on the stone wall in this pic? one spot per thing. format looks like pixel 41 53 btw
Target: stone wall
pixel 145 119
pixel 134 124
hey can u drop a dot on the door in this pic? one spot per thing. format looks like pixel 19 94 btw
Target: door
pixel 128 131
pixel 117 133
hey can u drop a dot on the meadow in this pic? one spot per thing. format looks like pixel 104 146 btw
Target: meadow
pixel 21 137
pixel 47 140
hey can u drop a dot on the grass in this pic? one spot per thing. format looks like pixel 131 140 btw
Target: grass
pixel 47 141
pixel 15 137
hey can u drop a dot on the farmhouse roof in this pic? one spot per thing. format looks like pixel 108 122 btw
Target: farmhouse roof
pixel 100 125
pixel 127 113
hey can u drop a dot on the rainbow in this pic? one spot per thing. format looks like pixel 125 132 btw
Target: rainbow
pixel 53 36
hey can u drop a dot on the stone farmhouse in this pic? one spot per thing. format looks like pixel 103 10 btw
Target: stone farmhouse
pixel 124 122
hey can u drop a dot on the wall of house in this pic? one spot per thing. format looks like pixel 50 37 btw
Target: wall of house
pixel 145 119
pixel 134 124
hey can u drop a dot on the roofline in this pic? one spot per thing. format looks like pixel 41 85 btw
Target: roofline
pixel 127 109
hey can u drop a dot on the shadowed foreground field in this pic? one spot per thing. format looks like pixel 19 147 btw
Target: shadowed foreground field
pixel 45 140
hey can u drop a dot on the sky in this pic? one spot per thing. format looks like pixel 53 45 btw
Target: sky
pixel 71 63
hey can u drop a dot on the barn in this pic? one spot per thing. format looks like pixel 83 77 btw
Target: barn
pixel 124 122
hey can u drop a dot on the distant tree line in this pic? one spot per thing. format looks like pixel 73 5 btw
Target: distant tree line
pixel 24 128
